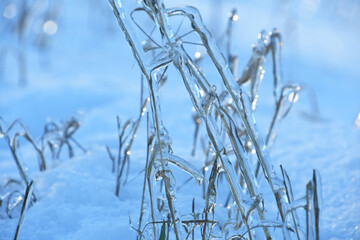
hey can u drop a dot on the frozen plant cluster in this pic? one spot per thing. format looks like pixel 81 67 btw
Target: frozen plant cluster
pixel 239 152
pixel 95 176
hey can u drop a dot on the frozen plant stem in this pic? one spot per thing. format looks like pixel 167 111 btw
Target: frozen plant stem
pixel 288 93
pixel 124 159
pixel 149 142
pixel 27 198
pixel 168 196
pixel 155 109
pixel 290 197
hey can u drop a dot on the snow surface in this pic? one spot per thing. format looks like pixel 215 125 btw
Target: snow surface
pixel 90 72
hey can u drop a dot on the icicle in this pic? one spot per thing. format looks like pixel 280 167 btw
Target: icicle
pixel 210 197
pixel 275 46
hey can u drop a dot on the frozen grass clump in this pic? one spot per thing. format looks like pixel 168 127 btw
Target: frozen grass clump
pixel 57 135
pixel 127 134
pixel 17 195
pixel 239 155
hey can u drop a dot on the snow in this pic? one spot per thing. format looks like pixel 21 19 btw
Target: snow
pixel 89 71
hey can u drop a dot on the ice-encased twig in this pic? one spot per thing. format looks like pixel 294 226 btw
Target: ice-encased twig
pixel 254 70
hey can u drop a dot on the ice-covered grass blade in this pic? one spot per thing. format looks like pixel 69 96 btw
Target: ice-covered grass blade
pixel 27 199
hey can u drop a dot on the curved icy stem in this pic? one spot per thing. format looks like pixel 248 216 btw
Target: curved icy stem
pixel 184 165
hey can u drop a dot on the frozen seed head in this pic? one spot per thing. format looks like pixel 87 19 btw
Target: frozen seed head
pixel 50 27
pixel 128 152
pixel 10 11
pixel 206 169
